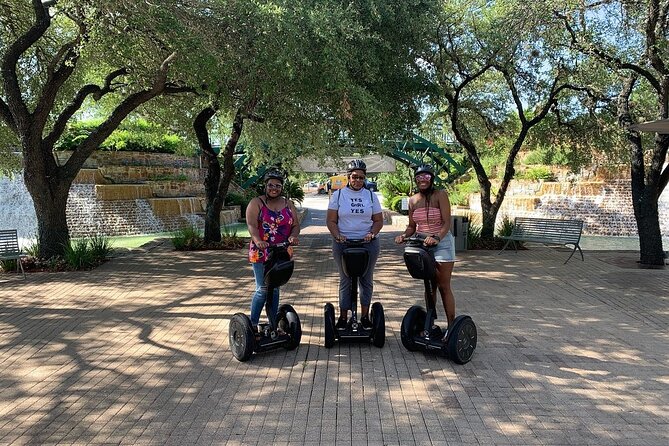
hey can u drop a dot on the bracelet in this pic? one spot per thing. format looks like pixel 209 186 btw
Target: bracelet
pixel 436 237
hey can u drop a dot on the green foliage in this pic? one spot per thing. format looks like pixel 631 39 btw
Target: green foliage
pixel 537 173
pixel 459 193
pixel 395 204
pixel 8 265
pixel 293 191
pixel 88 252
pixel 394 186
pixel 505 227
pixel 10 162
pixel 100 246
pixel 33 249
pixel 187 238
pixel 473 235
pixel 132 135
pixel 230 239
pixel 240 199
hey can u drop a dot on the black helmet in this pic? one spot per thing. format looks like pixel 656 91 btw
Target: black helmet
pixel 356 165
pixel 424 168
pixel 273 173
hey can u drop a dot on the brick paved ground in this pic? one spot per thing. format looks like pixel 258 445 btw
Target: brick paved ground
pixel 136 352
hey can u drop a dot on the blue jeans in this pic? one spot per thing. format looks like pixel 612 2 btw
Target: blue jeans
pixel 258 301
pixel 365 283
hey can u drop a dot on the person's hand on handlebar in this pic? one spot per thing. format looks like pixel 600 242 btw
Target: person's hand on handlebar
pixel 431 240
pixel 261 244
pixel 293 240
pixel 369 237
pixel 400 239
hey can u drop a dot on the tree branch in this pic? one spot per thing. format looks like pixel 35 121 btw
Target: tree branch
pixel 6 115
pixel 11 57
pixel 130 103
pixel 651 28
pixel 77 101
pixel 609 59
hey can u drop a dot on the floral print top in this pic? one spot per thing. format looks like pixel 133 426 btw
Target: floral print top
pixel 274 227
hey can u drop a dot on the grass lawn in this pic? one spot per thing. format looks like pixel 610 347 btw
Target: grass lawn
pixel 135 241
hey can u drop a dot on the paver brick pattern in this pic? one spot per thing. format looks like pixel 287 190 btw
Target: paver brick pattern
pixel 136 352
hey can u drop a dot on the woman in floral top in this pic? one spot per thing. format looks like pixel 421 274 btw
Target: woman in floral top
pixel 271 219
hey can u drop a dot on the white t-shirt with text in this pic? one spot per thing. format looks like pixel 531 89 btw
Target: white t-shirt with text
pixel 355 210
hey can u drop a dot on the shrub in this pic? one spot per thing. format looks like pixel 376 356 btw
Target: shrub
pixel 8 265
pixel 187 238
pixel 294 191
pixel 537 173
pixel 100 246
pixel 78 254
pixel 505 227
pixel 134 135
pixel 230 239
pixel 242 200
pixel 473 234
pixel 458 194
pixel 33 249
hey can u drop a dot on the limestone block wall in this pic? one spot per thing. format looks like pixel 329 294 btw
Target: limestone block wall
pixel 106 158
pixel 87 214
pixel 136 174
pixel 605 206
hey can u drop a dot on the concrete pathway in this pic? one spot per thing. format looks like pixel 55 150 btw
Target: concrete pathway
pixel 136 352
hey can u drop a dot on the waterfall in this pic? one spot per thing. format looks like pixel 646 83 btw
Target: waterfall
pixel 17 210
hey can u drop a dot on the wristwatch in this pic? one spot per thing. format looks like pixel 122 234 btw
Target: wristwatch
pixel 436 237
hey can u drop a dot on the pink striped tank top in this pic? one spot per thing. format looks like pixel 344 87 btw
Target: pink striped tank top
pixel 428 219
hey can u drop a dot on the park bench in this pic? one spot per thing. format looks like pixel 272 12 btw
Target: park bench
pixel 547 231
pixel 9 248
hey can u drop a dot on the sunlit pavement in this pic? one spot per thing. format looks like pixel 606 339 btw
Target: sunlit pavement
pixel 136 352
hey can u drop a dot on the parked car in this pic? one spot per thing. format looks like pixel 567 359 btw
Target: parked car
pixel 371 185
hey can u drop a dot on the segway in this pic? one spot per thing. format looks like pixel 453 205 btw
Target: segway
pixel 355 261
pixel 284 329
pixel 418 330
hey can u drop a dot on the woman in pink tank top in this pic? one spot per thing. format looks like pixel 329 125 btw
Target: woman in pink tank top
pixel 271 219
pixel 430 216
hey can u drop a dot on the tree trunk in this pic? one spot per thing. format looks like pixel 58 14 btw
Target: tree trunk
pixel 212 219
pixel 216 187
pixel 49 193
pixel 646 183
pixel 650 237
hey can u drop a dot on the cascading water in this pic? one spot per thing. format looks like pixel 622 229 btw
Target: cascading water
pixel 16 209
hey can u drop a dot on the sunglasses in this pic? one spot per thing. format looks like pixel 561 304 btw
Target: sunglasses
pixel 357 177
pixel 423 177
pixel 274 186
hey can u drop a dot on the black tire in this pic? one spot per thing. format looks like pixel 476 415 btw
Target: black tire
pixel 462 340
pixel 241 337
pixel 289 321
pixel 413 323
pixel 378 325
pixel 329 323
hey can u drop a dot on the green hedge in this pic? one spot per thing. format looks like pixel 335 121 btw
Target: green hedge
pixel 132 136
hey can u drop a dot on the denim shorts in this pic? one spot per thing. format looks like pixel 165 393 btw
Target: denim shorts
pixel 445 249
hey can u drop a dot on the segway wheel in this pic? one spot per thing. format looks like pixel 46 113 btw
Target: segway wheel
pixel 462 340
pixel 378 325
pixel 242 340
pixel 289 322
pixel 329 323
pixel 412 324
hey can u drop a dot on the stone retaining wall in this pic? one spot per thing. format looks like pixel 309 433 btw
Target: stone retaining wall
pixel 604 206
pixel 87 215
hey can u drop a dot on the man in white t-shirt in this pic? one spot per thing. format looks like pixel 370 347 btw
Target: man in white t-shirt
pixel 355 213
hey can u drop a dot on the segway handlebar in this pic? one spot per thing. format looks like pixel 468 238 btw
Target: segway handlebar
pixel 415 238
pixel 357 241
pixel 278 246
